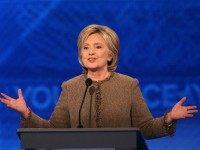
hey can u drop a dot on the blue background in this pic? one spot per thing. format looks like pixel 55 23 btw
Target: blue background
pixel 159 45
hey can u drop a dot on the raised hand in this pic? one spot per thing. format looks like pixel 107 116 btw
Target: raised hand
pixel 18 104
pixel 179 111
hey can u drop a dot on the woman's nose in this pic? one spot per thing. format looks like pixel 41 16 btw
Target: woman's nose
pixel 91 51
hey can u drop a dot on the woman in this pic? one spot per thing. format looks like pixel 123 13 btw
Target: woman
pixel 117 100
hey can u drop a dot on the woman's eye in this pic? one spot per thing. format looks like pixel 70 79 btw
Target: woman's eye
pixel 85 48
pixel 98 47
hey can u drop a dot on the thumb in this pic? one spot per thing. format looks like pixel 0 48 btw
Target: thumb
pixel 182 101
pixel 20 95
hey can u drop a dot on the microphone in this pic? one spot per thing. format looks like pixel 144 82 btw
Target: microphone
pixel 91 91
pixel 88 82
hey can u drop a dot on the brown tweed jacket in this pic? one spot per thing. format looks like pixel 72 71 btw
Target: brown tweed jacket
pixel 117 102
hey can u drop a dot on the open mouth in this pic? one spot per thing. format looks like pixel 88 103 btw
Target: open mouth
pixel 91 59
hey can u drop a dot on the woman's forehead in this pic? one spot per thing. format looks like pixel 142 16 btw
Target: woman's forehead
pixel 94 38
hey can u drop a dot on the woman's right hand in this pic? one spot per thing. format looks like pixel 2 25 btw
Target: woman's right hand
pixel 18 104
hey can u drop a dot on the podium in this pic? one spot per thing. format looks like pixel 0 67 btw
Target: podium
pixel 81 138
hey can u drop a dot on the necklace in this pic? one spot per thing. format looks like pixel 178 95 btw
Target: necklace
pixel 107 75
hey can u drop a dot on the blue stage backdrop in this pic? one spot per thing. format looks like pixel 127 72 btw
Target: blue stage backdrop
pixel 159 45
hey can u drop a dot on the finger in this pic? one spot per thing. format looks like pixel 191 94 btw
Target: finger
pixel 192 111
pixel 7 97
pixel 20 94
pixel 8 103
pixel 182 100
pixel 191 107
pixel 189 115
pixel 5 101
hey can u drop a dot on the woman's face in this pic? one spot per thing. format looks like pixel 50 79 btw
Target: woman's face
pixel 95 53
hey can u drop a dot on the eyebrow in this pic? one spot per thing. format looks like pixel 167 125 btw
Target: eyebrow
pixel 94 44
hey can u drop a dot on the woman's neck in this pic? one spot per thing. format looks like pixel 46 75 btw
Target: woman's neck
pixel 98 75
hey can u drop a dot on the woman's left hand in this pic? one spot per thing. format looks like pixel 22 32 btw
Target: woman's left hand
pixel 179 111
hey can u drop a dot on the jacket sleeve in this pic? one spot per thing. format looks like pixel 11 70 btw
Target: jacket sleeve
pixel 60 117
pixel 142 118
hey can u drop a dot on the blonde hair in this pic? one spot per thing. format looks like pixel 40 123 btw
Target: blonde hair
pixel 110 37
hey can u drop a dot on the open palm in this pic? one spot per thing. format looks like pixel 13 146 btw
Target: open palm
pixel 179 111
pixel 18 104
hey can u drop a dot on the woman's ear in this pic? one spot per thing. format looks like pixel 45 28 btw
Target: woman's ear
pixel 110 58
pixel 81 56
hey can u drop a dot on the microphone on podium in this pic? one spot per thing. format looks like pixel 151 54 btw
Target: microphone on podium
pixel 88 82
pixel 91 91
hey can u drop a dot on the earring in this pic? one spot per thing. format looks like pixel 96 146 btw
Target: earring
pixel 109 62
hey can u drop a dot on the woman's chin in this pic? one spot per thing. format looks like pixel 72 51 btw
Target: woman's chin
pixel 93 69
